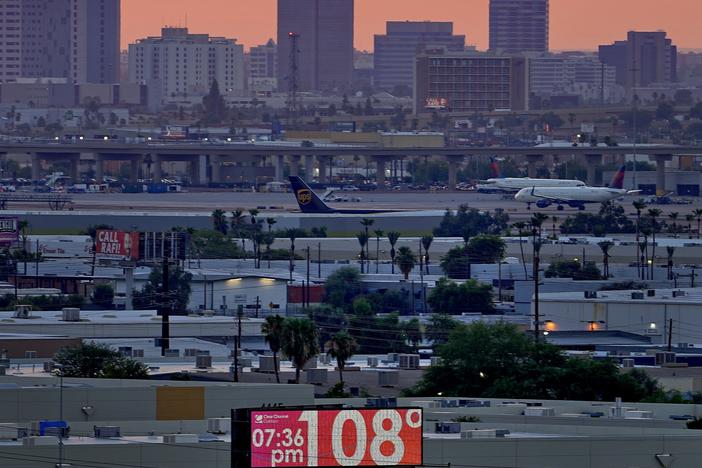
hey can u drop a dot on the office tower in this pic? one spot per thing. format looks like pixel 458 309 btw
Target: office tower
pixel 96 39
pixel 324 43
pixel 578 74
pixel 470 82
pixel 184 65
pixel 396 50
pixel 263 67
pixel 519 26
pixel 73 39
pixel 644 58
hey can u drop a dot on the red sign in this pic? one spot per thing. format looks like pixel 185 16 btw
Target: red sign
pixel 329 438
pixel 9 230
pixel 117 245
pixel 436 103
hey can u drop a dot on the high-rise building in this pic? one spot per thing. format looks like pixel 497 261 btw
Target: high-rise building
pixel 519 25
pixel 572 74
pixel 73 39
pixel 644 58
pixel 324 30
pixel 470 82
pixel 184 65
pixel 396 50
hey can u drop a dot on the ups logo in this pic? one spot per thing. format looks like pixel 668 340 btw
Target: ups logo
pixel 304 196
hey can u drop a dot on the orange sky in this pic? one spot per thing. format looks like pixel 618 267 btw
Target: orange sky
pixel 575 24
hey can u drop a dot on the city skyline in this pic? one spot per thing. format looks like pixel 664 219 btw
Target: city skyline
pixel 568 30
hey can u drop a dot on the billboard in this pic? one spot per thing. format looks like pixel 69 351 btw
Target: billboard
pixel 336 437
pixel 117 245
pixel 9 230
pixel 435 103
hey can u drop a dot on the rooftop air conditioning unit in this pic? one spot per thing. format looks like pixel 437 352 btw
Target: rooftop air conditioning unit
pixel 219 425
pixel 373 361
pixel 316 376
pixel 678 293
pixel 448 428
pixel 70 314
pixel 539 411
pixel 409 361
pixel 203 361
pixel 651 293
pixel 637 296
pixel 22 311
pixel 267 364
pixel 388 378
pixel 665 357
pixel 181 439
pixel 590 294
pixel 106 432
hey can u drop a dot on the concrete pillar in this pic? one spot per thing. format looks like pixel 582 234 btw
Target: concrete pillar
pixel 592 161
pixel 36 166
pixel 74 172
pixel 323 174
pixel 309 167
pixel 453 162
pixel 660 173
pixel 380 173
pixel 156 168
pixel 194 172
pixel 279 167
pixel 295 166
pixel 99 169
pixel 134 170
pixel 215 169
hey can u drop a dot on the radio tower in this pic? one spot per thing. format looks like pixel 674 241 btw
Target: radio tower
pixel 293 80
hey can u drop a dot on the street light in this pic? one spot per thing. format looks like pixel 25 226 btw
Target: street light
pixel 58 372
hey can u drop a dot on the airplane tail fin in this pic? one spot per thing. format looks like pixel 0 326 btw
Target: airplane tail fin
pixel 308 201
pixel 618 179
pixel 494 169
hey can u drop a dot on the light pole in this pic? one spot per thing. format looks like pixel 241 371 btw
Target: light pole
pixel 58 372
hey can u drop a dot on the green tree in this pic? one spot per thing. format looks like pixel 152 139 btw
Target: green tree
pixel 103 295
pixel 342 287
pixel 152 293
pixel 471 222
pixel 272 330
pixel 450 298
pixel 299 342
pixel 214 109
pixel 439 328
pixel 573 269
pixel 342 347
pixel 665 111
pixel 456 263
pixel 412 330
pixel 91 360
pixel 406 260
pixel 426 243
pixel 219 220
pixel 363 241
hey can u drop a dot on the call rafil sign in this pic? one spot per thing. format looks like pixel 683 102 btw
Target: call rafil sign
pixel 117 245
pixel 331 438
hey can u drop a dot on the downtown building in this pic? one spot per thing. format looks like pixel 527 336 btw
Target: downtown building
pixel 182 66
pixel 324 35
pixel 573 74
pixel 397 49
pixel 643 59
pixel 518 26
pixel 262 66
pixel 77 40
pixel 470 82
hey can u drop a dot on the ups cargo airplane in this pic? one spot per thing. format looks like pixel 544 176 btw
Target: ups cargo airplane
pixel 310 203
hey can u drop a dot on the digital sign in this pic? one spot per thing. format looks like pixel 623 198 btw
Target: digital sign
pixel 338 437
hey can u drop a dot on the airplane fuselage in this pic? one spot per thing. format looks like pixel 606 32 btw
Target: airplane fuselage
pixel 515 184
pixel 571 196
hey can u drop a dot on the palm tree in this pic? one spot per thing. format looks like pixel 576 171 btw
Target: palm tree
pixel 219 220
pixel 270 222
pixel 673 228
pixel 378 234
pixel 238 228
pixel 292 235
pixel 257 237
pixel 639 206
pixel 341 347
pixel 363 240
pixel 253 212
pixel 367 223
pixel 654 214
pixel 520 226
pixel 393 237
pixel 406 260
pixel 300 342
pixel 670 251
pixel 554 220
pixel 698 214
pixel 426 243
pixel 272 330
pixel 606 246
pixel 689 218
pixel 537 221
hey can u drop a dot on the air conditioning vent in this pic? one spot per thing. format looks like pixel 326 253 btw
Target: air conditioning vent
pixel 107 432
pixel 637 296
pixel 219 425
pixel 22 312
pixel 203 362
pixel 590 294
pixel 70 314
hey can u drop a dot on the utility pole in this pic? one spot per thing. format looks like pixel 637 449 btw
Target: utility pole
pixel 307 288
pixel 670 335
pixel 634 103
pixel 293 84
pixel 258 306
pixel 165 303
pixel 537 249
pixel 319 260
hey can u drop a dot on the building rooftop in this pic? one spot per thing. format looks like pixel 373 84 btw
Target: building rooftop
pixel 689 296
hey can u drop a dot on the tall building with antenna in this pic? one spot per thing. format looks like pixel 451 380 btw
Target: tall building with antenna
pixel 324 30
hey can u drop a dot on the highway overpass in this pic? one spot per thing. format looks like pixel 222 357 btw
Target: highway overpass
pixel 206 159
